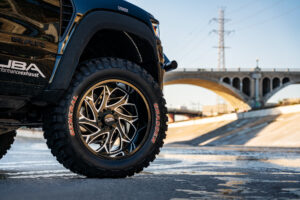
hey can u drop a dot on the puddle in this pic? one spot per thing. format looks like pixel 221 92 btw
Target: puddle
pixel 285 162
pixel 202 158
pixel 295 191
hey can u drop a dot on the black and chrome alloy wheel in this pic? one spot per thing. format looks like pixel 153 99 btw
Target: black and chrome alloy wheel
pixel 113 118
pixel 111 122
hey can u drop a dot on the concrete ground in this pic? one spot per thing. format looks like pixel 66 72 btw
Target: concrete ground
pixel 270 131
pixel 256 158
pixel 30 172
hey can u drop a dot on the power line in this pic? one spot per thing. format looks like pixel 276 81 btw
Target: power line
pixel 190 37
pixel 258 12
pixel 190 42
pixel 195 30
pixel 193 58
pixel 238 9
pixel 200 56
pixel 287 12
pixel 192 46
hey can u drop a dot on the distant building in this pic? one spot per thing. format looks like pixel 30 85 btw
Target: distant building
pixel 290 101
pixel 213 110
pixel 182 113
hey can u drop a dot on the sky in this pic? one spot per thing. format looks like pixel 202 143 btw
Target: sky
pixel 267 30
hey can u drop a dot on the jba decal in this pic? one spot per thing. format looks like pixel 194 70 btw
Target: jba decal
pixel 21 68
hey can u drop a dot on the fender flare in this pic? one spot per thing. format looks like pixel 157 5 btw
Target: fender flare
pixel 89 25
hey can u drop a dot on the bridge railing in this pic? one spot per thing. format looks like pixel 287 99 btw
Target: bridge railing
pixel 238 70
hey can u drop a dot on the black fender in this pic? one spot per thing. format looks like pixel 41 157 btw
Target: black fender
pixel 89 25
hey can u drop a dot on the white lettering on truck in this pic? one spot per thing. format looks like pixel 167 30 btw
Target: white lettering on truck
pixel 21 68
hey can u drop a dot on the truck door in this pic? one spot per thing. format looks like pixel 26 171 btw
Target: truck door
pixel 29 35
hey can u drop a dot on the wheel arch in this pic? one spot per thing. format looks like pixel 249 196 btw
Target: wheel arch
pixel 88 28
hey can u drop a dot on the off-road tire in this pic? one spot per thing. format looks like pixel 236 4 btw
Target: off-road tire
pixel 6 140
pixel 64 142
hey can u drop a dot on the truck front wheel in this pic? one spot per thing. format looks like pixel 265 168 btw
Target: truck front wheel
pixel 112 121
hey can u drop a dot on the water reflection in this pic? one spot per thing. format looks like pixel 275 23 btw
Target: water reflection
pixel 234 171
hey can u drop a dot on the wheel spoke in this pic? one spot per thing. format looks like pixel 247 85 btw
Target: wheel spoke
pixel 121 153
pixel 85 121
pixel 105 97
pixel 121 99
pixel 89 139
pixel 114 137
pixel 129 119
pixel 130 115
pixel 123 134
pixel 91 104
pixel 103 147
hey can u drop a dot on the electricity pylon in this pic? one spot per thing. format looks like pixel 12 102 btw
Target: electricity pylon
pixel 221 53
pixel 221 32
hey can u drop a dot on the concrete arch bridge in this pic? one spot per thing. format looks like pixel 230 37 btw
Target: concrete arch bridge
pixel 244 89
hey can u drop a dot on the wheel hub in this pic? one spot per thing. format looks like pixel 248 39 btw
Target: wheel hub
pixel 109 119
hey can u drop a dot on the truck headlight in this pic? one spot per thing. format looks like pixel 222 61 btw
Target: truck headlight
pixel 156 29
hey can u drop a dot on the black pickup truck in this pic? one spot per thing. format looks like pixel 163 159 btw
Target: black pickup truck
pixel 90 73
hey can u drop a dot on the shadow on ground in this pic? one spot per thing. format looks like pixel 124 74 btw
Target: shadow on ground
pixel 238 132
pixel 154 187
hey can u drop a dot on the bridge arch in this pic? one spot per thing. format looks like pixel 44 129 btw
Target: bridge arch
pixel 232 95
pixel 246 86
pixel 227 80
pixel 285 80
pixel 281 87
pixel 266 86
pixel 275 83
pixel 236 83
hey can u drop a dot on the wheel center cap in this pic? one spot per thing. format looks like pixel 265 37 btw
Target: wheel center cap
pixel 109 119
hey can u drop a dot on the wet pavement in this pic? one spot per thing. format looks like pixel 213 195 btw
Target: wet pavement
pixel 180 172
